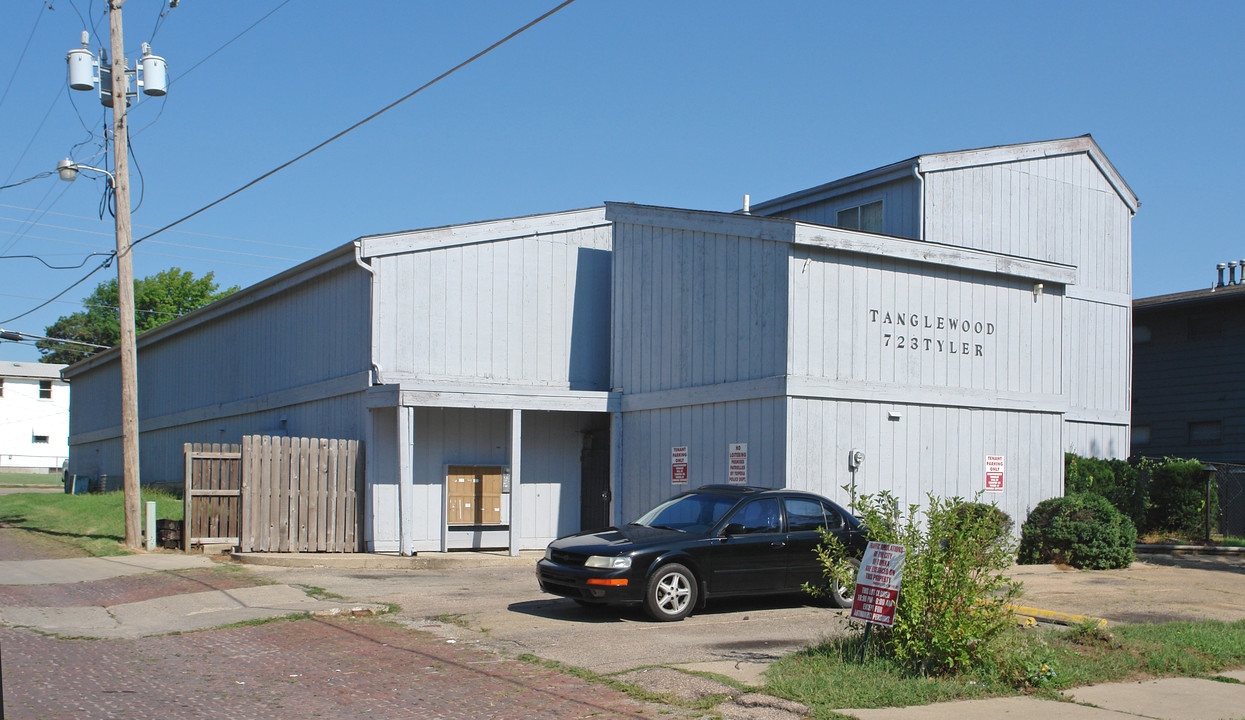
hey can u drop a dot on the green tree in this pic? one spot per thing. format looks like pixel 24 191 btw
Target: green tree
pixel 158 299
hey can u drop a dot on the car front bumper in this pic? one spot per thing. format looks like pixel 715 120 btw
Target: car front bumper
pixel 612 587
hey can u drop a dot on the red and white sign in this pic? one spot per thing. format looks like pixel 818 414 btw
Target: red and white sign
pixel 678 465
pixel 994 473
pixel 877 584
pixel 737 463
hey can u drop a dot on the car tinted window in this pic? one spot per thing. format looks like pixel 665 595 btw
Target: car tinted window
pixel 834 519
pixel 804 514
pixel 759 516
pixel 692 513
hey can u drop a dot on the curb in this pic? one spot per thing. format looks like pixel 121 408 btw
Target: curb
pixel 374 561
pixel 1189 550
pixel 1056 618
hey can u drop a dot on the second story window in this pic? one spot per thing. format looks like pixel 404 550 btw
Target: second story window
pixel 867 218
pixel 45 389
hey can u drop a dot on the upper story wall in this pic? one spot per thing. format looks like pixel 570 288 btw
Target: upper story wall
pixel 1189 377
pixel 1060 208
pixel 900 200
pixel 878 321
pixel 699 299
pixel 304 326
pixel 522 302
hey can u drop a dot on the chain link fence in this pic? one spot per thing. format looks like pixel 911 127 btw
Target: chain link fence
pixel 1230 479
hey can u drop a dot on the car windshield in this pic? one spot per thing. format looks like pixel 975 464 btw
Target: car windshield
pixel 697 512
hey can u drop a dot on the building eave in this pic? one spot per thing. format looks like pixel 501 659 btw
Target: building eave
pixel 480 232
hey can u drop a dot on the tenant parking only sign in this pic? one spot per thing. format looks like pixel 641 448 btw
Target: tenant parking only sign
pixel 994 473
pixel 678 465
pixel 877 584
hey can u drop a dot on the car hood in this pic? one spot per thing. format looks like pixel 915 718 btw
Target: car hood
pixel 615 540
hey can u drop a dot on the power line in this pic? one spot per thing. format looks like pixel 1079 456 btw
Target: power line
pixel 22 57
pixel 154 242
pixel 38 130
pixel 40 176
pixel 362 122
pixel 51 266
pixel 227 44
pixel 180 232
pixel 58 295
pixel 92 305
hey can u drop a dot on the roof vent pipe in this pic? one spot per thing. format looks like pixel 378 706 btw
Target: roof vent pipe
pixel 1242 280
pixel 747 204
pixel 1232 273
pixel 1220 267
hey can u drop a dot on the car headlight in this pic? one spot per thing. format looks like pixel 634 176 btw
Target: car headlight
pixel 620 562
pixel 548 553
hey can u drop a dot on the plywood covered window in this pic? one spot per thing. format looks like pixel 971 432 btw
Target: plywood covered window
pixel 474 494
pixel 867 218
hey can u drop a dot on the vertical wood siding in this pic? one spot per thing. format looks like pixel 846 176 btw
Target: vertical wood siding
pixel 1059 209
pixel 533 310
pixel 317 330
pixel 706 430
pixel 930 449
pixel 693 308
pixel 844 305
pixel 1098 440
pixel 900 208
pixel 550 502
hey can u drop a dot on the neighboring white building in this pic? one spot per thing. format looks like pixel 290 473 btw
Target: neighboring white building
pixel 948 324
pixel 34 417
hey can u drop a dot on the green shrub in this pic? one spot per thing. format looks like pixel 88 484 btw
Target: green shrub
pixel 953 595
pixel 1178 497
pixel 1116 480
pixel 1082 530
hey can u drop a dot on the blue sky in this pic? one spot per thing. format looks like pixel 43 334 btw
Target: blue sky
pixel 686 103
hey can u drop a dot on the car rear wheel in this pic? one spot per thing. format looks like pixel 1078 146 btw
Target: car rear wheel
pixel 841 594
pixel 671 593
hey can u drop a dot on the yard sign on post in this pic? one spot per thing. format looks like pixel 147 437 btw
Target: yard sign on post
pixel 678 465
pixel 877 587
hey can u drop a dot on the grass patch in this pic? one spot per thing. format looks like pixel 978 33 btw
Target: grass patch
pixel 320 593
pixel 94 523
pixel 1167 538
pixel 633 691
pixel 458 619
pixel 38 479
pixel 1030 661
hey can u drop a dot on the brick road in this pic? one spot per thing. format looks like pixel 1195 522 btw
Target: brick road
pixel 316 667
pixel 333 668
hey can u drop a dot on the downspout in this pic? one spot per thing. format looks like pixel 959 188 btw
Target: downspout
pixel 369 513
pixel 920 182
pixel 358 260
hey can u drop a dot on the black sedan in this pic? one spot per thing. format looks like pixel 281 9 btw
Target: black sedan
pixel 714 541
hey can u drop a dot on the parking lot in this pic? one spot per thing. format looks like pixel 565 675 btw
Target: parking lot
pixel 503 608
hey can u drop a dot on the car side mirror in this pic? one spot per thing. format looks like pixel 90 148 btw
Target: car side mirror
pixel 733 529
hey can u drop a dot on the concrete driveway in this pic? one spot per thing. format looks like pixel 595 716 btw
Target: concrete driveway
pixel 503 608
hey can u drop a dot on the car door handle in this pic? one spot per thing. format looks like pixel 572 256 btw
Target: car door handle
pixel 778 544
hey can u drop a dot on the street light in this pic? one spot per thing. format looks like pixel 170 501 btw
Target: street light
pixel 68 170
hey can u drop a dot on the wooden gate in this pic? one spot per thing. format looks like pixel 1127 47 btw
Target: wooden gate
pixel 213 494
pixel 274 494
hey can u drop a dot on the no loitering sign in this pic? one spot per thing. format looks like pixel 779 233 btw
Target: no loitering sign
pixel 737 463
pixel 877 584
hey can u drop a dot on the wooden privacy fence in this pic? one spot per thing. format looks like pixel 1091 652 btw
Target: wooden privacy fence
pixel 287 494
pixel 213 494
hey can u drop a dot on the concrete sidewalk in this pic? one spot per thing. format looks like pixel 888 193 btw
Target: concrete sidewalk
pixel 171 613
pixel 1167 699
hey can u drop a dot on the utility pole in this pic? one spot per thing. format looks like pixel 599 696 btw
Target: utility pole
pixel 125 277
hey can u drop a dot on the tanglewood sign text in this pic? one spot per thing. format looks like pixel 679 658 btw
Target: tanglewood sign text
pixel 932 333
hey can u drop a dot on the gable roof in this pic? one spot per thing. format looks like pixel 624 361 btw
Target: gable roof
pixel 953 160
pixel 480 232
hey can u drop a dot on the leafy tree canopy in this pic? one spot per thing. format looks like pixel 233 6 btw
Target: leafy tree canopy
pixel 158 299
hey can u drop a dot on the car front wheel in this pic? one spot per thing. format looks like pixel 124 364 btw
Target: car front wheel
pixel 841 594
pixel 671 593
